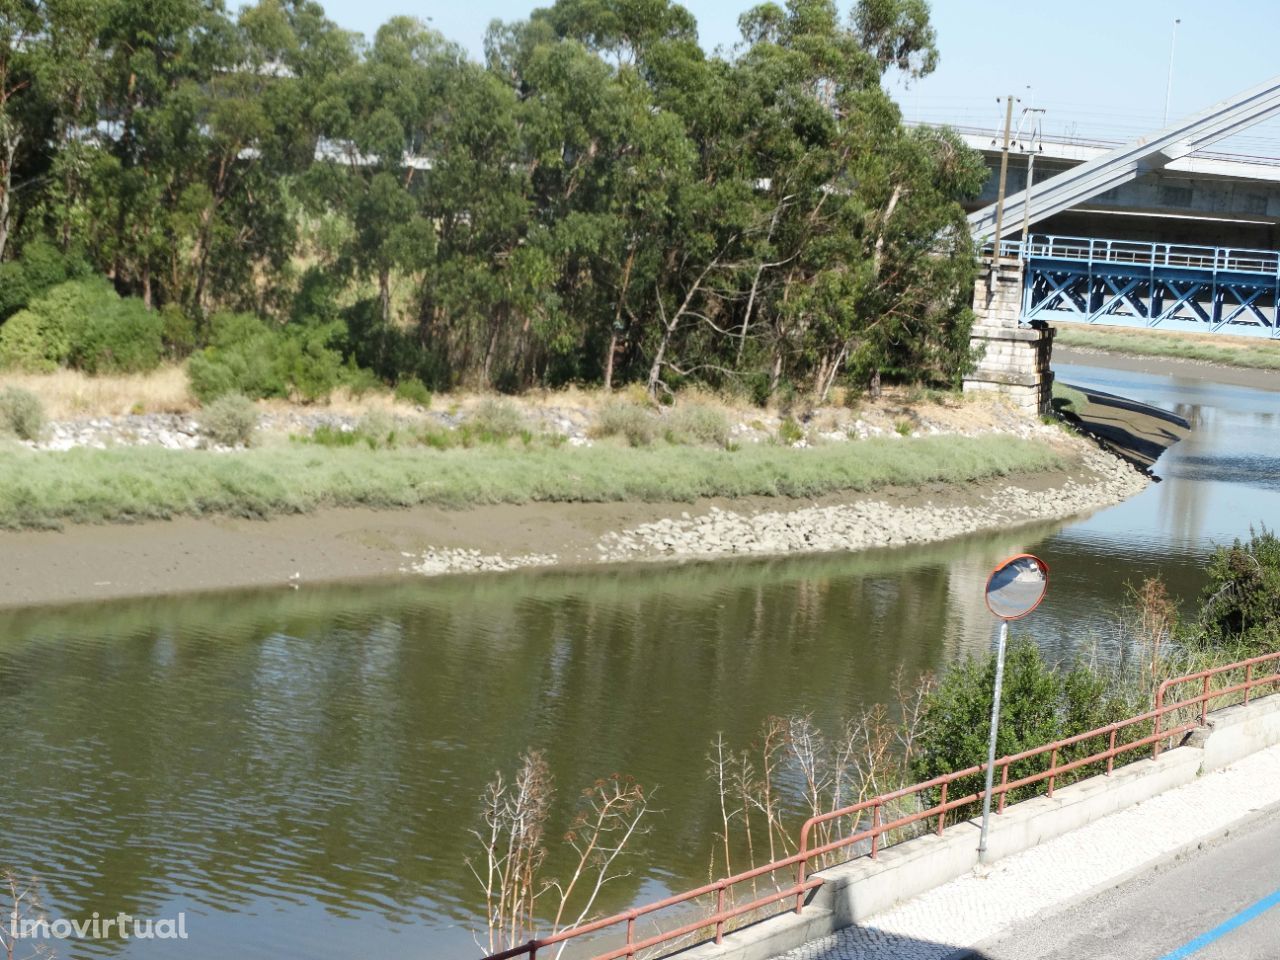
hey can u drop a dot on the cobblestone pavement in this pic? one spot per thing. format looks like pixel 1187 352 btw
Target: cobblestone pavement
pixel 982 904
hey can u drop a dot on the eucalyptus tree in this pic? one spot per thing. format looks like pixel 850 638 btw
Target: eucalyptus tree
pixel 862 261
pixel 605 164
pixel 22 25
pixel 378 114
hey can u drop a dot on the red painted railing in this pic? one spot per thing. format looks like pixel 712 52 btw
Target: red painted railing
pixel 919 797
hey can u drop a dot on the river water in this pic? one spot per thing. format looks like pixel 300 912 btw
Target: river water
pixel 298 772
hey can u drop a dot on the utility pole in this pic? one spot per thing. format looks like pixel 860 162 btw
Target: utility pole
pixel 1168 89
pixel 1034 145
pixel 1004 178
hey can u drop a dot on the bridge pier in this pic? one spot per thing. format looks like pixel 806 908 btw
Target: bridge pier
pixel 1014 360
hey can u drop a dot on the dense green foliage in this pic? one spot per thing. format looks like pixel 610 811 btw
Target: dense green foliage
pixel 1241 603
pixel 599 200
pixel 85 324
pixel 86 485
pixel 1039 704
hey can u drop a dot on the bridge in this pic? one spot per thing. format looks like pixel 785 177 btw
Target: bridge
pixel 1143 276
pixel 1182 287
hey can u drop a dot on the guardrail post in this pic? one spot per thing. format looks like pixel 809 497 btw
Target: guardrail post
pixel 631 932
pixel 1204 702
pixel 1248 679
pixel 720 910
pixel 533 950
pixel 800 868
pixel 1155 744
pixel 1111 752
pixel 1053 766
pixel 1004 782
pixel 942 817
pixel 875 830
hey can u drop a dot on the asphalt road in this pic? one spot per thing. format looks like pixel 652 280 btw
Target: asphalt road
pixel 1221 902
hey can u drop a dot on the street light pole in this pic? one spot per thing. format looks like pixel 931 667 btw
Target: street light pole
pixel 1168 89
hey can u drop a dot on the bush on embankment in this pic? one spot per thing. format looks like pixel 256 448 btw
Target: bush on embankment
pixel 86 325
pixel 45 489
pixel 1039 704
pixel 1240 607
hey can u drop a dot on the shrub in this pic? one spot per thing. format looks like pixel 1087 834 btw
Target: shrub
pixel 177 332
pixel 789 431
pixel 84 323
pixel 241 358
pixel 412 390
pixel 21 413
pixel 115 335
pixel 1038 705
pixel 40 267
pixel 630 421
pixel 308 366
pixel 230 421
pixel 495 420
pixel 1241 602
pixel 698 423
pixel 360 381
pixel 24 345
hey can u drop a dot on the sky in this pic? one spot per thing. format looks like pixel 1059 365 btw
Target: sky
pixel 1098 69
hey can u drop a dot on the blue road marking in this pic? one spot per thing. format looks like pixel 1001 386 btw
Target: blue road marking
pixel 1222 929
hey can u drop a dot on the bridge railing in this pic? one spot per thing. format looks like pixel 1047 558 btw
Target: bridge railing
pixel 874 823
pixel 1156 255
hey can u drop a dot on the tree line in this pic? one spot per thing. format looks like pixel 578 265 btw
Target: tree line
pixel 598 200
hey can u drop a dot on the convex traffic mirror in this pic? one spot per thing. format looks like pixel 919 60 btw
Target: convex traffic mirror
pixel 1017 586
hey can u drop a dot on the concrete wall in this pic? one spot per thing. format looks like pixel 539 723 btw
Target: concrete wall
pixel 855 891
pixel 1239 731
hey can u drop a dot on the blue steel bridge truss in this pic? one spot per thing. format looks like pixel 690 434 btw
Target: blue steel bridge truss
pixel 1151 285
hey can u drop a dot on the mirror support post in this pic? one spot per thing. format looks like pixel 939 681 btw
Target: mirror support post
pixel 991 748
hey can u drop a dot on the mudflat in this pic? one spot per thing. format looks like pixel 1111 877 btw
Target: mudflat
pixel 185 555
pixel 1257 379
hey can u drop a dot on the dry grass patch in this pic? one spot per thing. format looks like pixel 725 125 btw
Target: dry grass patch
pixel 68 394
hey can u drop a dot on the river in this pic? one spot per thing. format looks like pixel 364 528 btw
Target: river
pixel 298 772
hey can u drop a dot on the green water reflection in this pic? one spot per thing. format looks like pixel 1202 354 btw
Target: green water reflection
pixel 279 764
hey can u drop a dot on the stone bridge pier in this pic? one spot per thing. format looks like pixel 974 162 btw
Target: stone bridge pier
pixel 1013 361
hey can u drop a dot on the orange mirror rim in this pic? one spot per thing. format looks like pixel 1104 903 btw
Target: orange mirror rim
pixel 986 592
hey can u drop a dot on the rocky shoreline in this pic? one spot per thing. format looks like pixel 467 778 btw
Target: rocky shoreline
pixel 1101 481
pixel 572 421
pixel 306 551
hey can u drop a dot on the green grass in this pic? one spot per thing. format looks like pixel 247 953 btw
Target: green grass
pixel 1068 399
pixel 46 489
pixel 1257 354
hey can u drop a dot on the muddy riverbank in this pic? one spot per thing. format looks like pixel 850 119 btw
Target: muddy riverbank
pixel 186 555
pixel 296 552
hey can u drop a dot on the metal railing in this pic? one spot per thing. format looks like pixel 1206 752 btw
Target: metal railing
pixel 1248 682
pixel 1184 256
pixel 930 801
